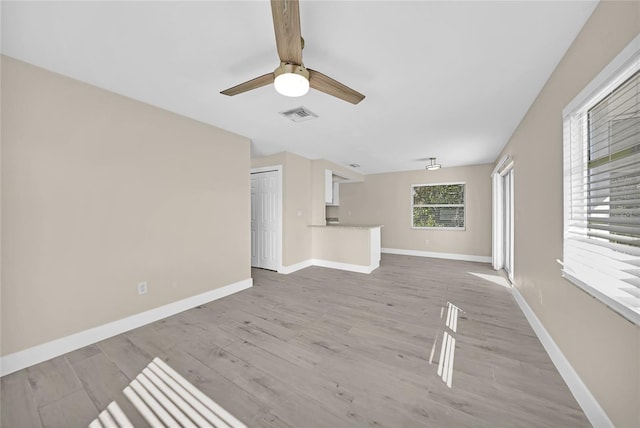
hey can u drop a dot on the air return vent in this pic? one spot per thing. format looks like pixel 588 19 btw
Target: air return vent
pixel 299 114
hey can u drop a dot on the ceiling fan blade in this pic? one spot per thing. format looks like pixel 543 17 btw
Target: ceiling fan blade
pixel 249 85
pixel 332 87
pixel 286 23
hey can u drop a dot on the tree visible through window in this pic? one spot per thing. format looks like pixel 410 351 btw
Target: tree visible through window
pixel 614 154
pixel 438 206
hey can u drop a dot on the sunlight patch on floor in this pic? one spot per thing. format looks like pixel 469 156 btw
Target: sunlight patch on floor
pixel 496 279
pixel 448 348
pixel 166 399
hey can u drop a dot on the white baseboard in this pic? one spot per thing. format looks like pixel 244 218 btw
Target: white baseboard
pixel 346 266
pixel 583 396
pixel 37 354
pixel 295 267
pixel 437 255
pixel 329 264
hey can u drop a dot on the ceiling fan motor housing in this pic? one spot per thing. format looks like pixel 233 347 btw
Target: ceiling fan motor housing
pixel 291 68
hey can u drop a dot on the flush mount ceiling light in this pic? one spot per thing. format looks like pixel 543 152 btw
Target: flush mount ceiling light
pixel 291 80
pixel 432 165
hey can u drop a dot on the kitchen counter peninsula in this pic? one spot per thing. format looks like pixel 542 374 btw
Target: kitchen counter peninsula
pixel 352 247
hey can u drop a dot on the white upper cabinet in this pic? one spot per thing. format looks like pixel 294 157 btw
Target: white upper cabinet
pixel 328 186
pixel 332 187
pixel 336 194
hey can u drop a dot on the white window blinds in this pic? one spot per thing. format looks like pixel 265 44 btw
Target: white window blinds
pixel 602 194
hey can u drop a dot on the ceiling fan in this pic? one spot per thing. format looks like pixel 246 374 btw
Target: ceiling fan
pixel 292 78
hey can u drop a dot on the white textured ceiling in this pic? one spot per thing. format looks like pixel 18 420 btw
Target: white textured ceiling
pixel 445 79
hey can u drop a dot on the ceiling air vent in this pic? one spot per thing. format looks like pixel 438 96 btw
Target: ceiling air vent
pixel 299 114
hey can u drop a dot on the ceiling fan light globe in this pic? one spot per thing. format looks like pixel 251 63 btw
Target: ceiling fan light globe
pixel 291 84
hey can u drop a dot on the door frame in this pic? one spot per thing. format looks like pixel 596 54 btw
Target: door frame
pixel 504 167
pixel 279 199
pixel 508 174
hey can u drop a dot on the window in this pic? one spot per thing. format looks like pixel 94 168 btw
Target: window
pixel 602 192
pixel 438 206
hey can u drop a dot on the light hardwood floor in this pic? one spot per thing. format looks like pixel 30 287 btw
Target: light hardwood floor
pixel 325 348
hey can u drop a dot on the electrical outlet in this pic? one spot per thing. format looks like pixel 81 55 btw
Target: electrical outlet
pixel 142 288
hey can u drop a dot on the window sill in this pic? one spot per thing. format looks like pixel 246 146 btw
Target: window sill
pixel 459 229
pixel 611 302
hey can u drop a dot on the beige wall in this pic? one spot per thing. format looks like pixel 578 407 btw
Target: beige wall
pixel 99 193
pixel 601 346
pixel 386 199
pixel 297 204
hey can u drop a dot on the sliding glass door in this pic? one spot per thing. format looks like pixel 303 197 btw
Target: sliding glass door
pixel 507 232
pixel 503 217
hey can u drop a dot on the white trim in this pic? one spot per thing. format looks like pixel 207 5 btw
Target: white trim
pixel 583 396
pixel 619 308
pixel 39 353
pixel 437 255
pixel 452 229
pixel 497 214
pixel 346 266
pixel 512 221
pixel 330 264
pixel 497 252
pixel 266 169
pixel 507 168
pixel 502 161
pixel 446 183
pixel 603 80
pixel 279 211
pixel 295 267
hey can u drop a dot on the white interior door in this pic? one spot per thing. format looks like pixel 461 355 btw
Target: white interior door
pixel 265 196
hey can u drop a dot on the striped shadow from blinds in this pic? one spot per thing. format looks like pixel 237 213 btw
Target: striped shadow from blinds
pixel 166 399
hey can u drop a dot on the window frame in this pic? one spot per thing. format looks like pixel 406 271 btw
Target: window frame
pixel 463 205
pixel 626 64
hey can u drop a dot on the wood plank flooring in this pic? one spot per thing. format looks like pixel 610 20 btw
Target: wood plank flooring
pixel 324 348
